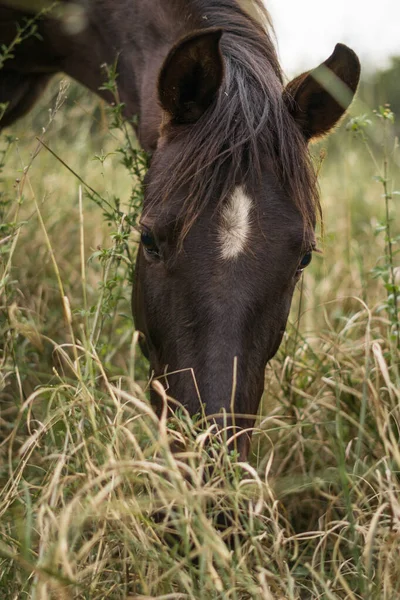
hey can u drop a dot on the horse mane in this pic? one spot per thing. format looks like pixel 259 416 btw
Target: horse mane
pixel 248 123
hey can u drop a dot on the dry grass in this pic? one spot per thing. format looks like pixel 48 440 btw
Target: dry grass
pixel 94 503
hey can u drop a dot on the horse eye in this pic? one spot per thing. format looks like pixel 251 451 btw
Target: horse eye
pixel 305 261
pixel 149 243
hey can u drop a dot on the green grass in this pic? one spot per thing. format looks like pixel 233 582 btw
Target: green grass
pixel 94 504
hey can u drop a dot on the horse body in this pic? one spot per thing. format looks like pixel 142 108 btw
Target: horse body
pixel 231 198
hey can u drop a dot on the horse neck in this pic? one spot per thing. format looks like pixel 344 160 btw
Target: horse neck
pixel 135 35
pixel 138 34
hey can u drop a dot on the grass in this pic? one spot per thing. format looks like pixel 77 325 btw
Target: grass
pixel 94 504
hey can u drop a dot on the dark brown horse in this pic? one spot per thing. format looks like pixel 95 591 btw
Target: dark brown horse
pixel 231 197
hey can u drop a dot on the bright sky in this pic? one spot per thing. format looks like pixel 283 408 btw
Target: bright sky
pixel 307 30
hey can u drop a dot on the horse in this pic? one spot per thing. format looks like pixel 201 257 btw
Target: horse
pixel 231 198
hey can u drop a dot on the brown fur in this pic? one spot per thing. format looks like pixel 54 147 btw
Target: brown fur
pixel 315 107
pixel 204 79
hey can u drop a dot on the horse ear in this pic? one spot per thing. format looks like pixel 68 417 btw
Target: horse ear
pixel 191 76
pixel 318 99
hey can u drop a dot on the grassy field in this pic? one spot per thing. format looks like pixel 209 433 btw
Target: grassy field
pixel 93 503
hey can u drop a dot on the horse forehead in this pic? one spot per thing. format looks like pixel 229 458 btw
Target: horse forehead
pixel 235 224
pixel 245 217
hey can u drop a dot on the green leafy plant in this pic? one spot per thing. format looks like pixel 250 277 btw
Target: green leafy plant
pixel 386 267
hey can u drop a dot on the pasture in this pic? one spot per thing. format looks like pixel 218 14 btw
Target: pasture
pixel 94 504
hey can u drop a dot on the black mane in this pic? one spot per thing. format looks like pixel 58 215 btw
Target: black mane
pixel 247 125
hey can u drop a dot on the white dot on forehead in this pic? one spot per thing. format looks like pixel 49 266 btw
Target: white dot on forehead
pixel 235 224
